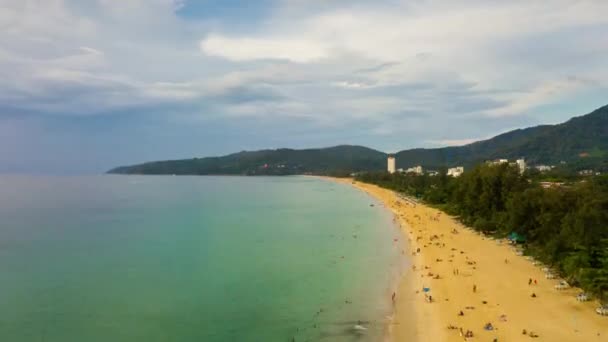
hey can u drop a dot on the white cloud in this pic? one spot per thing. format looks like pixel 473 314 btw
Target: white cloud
pixel 454 142
pixel 519 102
pixel 263 109
pixel 352 85
pixel 295 50
pixel 124 7
pixel 368 62
pixel 172 91
pixel 90 50
pixel 434 41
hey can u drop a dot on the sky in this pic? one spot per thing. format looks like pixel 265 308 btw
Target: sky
pixel 86 85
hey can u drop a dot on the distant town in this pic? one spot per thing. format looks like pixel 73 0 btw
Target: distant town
pixel 459 170
pixel 419 170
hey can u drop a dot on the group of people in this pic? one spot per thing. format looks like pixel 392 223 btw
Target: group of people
pixel 531 333
pixel 467 334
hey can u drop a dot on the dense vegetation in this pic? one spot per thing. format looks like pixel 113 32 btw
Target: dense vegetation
pixel 581 142
pixel 564 226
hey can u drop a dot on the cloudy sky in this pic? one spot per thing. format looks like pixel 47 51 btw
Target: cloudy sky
pixel 86 85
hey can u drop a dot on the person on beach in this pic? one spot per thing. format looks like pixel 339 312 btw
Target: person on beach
pixel 393 297
pixel 474 288
pixel 529 281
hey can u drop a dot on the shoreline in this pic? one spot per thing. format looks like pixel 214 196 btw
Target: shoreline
pixel 482 278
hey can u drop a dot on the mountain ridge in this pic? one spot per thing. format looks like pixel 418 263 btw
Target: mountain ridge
pixel 582 140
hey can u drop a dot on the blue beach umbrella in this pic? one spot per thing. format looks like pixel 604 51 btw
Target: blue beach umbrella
pixel 517 238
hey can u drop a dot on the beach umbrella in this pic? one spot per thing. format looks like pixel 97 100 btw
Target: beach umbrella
pixel 516 237
pixel 426 289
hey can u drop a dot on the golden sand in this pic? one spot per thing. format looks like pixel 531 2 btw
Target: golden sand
pixel 452 261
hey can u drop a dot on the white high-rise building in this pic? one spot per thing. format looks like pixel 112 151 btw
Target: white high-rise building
pixel 521 163
pixel 391 164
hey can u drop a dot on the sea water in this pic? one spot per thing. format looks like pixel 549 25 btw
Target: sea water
pixel 150 258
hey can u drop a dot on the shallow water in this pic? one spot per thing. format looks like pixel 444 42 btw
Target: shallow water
pixel 131 258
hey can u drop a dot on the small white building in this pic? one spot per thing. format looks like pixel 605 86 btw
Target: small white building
pixel 547 185
pixel 416 169
pixel 391 167
pixel 455 171
pixel 544 168
pixel 497 161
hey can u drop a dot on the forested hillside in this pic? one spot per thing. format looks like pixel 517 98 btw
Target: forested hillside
pixel 333 160
pixel 581 141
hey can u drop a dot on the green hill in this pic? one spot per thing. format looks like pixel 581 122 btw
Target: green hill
pixel 582 142
pixel 332 160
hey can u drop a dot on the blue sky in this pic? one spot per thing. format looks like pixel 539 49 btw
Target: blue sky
pixel 86 85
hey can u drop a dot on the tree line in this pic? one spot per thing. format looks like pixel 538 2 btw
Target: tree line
pixel 565 226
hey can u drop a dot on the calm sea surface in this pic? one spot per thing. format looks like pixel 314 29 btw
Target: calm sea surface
pixel 130 258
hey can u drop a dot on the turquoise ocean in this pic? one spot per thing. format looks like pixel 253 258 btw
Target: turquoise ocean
pixel 150 258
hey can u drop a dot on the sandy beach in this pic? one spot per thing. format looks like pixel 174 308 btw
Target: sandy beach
pixel 473 281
